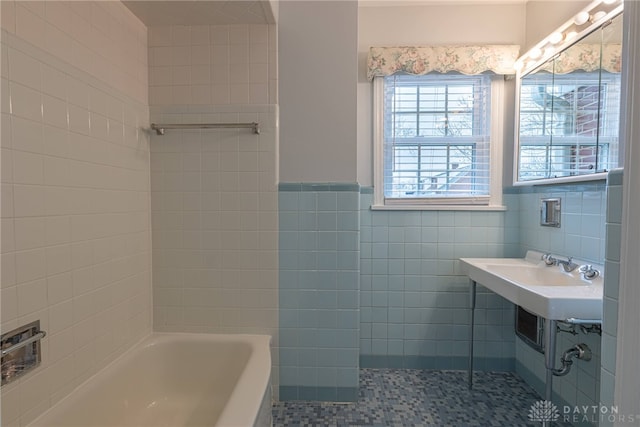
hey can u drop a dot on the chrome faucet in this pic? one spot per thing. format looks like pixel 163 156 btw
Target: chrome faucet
pixel 567 265
pixel 549 260
pixel 589 272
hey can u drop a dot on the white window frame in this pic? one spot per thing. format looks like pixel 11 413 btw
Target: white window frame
pixel 492 203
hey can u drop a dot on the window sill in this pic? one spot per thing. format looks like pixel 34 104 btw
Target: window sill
pixel 485 208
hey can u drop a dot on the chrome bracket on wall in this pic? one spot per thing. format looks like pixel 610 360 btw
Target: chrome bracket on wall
pixel 20 351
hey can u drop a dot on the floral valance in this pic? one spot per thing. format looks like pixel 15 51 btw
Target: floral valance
pixel 470 60
pixel 586 57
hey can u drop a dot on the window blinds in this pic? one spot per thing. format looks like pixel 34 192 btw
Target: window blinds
pixel 436 137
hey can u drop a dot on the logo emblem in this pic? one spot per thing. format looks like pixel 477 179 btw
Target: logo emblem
pixel 543 410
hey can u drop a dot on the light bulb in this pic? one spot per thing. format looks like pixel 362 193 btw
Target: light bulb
pixel 556 37
pixel 599 15
pixel 571 35
pixel 535 53
pixel 581 18
pixel 518 65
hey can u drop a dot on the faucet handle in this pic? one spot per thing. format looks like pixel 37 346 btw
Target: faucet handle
pixel 589 272
pixel 548 259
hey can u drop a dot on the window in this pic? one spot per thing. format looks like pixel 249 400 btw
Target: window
pixel 434 140
pixel 560 116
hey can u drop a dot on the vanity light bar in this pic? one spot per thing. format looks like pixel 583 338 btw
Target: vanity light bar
pixel 581 24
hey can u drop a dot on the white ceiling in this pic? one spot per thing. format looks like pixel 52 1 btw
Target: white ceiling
pixel 226 12
pixel 201 12
pixel 393 3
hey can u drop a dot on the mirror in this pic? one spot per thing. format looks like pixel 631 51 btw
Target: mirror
pixel 569 110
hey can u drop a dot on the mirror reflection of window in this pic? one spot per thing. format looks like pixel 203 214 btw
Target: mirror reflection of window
pixel 576 115
pixel 570 110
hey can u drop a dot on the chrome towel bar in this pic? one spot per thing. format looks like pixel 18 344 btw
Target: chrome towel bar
pixel 160 128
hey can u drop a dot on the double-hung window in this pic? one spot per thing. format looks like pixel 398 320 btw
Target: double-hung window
pixel 437 141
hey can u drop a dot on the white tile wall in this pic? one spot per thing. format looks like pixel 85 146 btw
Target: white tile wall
pixel 103 39
pixel 216 64
pixel 75 231
pixel 215 223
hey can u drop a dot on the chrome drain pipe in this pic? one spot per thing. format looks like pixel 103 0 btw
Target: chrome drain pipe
pixel 578 351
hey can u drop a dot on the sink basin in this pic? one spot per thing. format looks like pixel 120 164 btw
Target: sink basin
pixel 536 276
pixel 547 291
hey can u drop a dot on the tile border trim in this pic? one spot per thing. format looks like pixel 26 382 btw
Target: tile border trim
pixel 437 362
pixel 319 186
pixel 323 394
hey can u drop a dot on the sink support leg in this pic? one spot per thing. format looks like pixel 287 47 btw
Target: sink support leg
pixel 549 355
pixel 472 305
pixel 549 359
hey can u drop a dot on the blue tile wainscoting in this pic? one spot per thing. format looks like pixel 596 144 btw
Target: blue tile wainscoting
pixel 319 290
pixel 362 288
pixel 582 222
pixel 581 235
pixel 414 299
pixel 611 286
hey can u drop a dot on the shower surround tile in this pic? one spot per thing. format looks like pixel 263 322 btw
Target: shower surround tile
pixel 215 221
pixel 212 64
pixel 76 232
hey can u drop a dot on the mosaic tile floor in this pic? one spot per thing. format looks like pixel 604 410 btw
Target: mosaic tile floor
pixel 403 397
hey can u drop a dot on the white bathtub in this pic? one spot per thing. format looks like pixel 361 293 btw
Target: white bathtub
pixel 175 379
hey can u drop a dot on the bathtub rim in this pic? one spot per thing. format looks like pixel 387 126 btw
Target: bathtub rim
pixel 245 399
pixel 243 406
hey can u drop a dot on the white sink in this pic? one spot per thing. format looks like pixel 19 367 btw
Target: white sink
pixel 547 291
